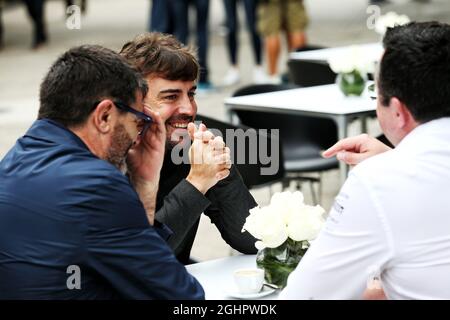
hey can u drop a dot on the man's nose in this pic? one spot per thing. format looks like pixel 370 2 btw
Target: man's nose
pixel 187 106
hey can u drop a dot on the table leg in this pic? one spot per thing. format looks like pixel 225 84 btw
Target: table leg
pixel 342 133
pixel 232 118
pixel 364 124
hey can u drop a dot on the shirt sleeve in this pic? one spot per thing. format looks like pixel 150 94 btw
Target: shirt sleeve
pixel 182 207
pixel 352 248
pixel 230 206
pixel 128 253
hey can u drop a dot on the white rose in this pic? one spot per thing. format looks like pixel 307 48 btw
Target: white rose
pixel 286 203
pixel 352 59
pixel 341 64
pixel 390 20
pixel 267 226
pixel 306 223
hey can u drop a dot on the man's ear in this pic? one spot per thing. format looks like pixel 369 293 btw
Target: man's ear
pixel 103 116
pixel 404 120
pixel 400 113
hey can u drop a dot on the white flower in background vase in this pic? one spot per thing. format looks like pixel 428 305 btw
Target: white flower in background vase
pixel 352 67
pixel 352 59
pixel 283 230
pixel 390 20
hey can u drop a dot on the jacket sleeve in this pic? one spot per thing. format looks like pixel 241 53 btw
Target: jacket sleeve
pixel 230 205
pixel 129 254
pixel 182 207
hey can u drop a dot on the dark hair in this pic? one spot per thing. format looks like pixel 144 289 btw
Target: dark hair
pixel 81 77
pixel 415 68
pixel 162 55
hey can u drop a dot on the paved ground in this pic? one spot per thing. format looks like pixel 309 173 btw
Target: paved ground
pixel 112 22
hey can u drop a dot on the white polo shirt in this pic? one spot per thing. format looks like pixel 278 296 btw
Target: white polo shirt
pixel 391 219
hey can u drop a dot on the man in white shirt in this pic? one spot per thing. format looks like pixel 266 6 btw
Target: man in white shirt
pixel 391 218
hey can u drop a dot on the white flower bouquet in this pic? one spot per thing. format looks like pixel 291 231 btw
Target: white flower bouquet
pixel 352 67
pixel 390 20
pixel 287 216
pixel 353 59
pixel 283 230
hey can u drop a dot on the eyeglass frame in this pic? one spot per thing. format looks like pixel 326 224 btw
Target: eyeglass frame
pixel 124 107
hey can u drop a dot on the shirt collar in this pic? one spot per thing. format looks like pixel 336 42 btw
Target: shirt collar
pixel 50 130
pixel 439 128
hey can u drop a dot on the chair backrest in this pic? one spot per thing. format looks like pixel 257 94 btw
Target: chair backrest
pixel 251 173
pixel 262 88
pixel 309 47
pixel 310 73
pixel 299 134
pixel 385 140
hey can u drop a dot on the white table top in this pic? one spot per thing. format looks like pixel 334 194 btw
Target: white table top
pixel 327 99
pixel 372 50
pixel 216 276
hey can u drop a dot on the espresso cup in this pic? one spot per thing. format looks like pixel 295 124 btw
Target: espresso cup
pixel 249 281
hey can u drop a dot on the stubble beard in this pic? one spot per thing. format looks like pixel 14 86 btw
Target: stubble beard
pixel 120 145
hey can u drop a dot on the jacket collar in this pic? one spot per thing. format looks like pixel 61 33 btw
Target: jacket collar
pixel 52 131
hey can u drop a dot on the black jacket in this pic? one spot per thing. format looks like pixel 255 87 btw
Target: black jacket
pixel 179 206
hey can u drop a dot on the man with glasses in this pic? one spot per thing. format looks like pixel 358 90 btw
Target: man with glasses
pixel 186 190
pixel 72 225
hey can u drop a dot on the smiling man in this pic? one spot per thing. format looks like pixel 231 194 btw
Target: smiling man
pixel 185 191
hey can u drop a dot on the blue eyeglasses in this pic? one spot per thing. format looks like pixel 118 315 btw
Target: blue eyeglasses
pixel 147 120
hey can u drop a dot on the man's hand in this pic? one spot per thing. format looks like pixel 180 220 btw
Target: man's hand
pixel 145 161
pixel 145 158
pixel 209 157
pixel 356 149
pixel 374 291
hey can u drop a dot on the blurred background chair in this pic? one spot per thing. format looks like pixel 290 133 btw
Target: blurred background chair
pixel 262 88
pixel 303 139
pixel 385 140
pixel 251 173
pixel 310 73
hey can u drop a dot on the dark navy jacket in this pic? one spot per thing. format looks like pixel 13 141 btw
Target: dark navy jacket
pixel 61 206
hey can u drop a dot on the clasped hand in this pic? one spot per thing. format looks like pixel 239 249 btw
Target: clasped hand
pixel 209 158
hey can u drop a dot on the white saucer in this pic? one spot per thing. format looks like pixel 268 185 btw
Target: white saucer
pixel 265 291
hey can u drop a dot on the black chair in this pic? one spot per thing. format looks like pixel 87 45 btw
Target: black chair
pixel 251 173
pixel 310 73
pixel 385 140
pixel 303 140
pixel 261 88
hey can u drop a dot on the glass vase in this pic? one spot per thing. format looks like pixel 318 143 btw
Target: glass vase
pixel 351 83
pixel 279 262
